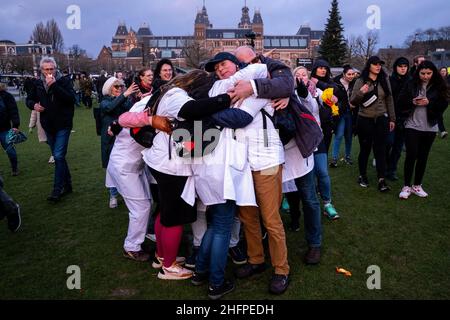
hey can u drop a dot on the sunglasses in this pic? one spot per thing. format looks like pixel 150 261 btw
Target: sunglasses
pixel 118 86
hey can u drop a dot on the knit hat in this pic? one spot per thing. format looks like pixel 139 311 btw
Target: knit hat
pixel 106 90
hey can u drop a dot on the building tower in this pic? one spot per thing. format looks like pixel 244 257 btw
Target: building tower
pixel 258 29
pixel 245 18
pixel 201 24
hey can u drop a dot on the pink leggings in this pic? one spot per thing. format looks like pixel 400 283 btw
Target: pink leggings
pixel 167 241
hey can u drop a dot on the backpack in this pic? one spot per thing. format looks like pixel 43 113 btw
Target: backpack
pixel 282 121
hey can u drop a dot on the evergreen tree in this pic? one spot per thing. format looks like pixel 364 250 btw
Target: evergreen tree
pixel 333 46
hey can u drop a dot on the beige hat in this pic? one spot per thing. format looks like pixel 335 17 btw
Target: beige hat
pixel 106 90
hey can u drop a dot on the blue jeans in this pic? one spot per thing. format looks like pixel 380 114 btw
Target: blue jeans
pixel 213 253
pixel 11 152
pixel 311 209
pixel 323 178
pixel 343 129
pixel 58 143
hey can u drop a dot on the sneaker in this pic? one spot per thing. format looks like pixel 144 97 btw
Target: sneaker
pixel 363 181
pixel 382 186
pixel 215 293
pixel 312 255
pixel 237 255
pixel 249 269
pixel 333 163
pixel 418 191
pixel 199 278
pixel 348 160
pixel 51 159
pixel 295 226
pixel 136 255
pixel 405 193
pixel 157 262
pixel 190 261
pixel 55 196
pixel 151 237
pixel 174 272
pixel 113 202
pixel 279 283
pixel 444 134
pixel 330 212
pixel 14 219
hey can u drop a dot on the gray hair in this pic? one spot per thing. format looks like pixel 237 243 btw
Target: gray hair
pixel 47 59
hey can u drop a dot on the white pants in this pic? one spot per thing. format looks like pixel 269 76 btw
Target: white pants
pixel 200 225
pixel 137 227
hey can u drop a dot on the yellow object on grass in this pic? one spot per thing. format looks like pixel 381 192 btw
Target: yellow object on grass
pixel 343 271
pixel 326 97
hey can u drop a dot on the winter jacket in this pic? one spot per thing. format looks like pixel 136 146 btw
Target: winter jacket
pixel 9 114
pixel 398 82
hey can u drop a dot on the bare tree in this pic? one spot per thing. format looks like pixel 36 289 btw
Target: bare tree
pixel 40 34
pixel 22 64
pixel 195 53
pixel 49 34
pixel 361 48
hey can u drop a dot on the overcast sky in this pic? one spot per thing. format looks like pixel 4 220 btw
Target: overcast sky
pixel 99 19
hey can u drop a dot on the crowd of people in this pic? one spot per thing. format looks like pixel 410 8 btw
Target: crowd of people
pixel 231 180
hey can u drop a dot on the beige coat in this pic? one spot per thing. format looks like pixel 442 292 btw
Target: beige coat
pixel 36 122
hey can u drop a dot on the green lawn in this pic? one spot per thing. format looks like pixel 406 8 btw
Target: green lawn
pixel 408 240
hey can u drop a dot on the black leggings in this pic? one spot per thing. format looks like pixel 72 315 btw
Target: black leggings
pixel 372 132
pixel 418 145
pixel 293 199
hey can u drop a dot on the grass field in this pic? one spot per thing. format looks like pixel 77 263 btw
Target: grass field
pixel 408 240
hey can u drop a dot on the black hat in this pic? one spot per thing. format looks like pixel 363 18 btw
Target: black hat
pixel 375 60
pixel 401 60
pixel 221 56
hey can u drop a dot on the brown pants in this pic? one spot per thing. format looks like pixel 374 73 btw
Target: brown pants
pixel 268 197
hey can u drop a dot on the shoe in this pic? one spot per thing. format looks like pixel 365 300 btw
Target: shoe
pixel 151 237
pixel 405 193
pixel 158 262
pixel 363 181
pixel 295 226
pixel 15 173
pixel 237 255
pixel 312 255
pixel 190 261
pixel 330 212
pixel 382 186
pixel 249 269
pixel 444 134
pixel 174 272
pixel 279 283
pixel 136 255
pixel 333 163
pixel 113 202
pixel 14 219
pixel 348 160
pixel 215 293
pixel 66 190
pixel 55 196
pixel 418 191
pixel 51 160
pixel 199 278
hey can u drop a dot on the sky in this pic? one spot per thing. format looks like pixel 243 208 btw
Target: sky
pixel 99 19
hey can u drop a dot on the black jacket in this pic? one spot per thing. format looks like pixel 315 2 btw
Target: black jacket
pixel 58 103
pixel 9 114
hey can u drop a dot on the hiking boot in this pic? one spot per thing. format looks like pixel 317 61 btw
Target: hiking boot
pixel 140 256
pixel 330 212
pixel 55 196
pixel 312 255
pixel 405 193
pixel 218 292
pixel 113 202
pixel 174 272
pixel 363 181
pixel 237 255
pixel 14 219
pixel 279 283
pixel 333 163
pixel 199 278
pixel 249 269
pixel 190 261
pixel 157 262
pixel 418 191
pixel 382 186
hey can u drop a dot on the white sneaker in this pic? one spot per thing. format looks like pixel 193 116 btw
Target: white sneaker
pixel 51 160
pixel 113 202
pixel 158 262
pixel 151 236
pixel 444 134
pixel 418 191
pixel 174 272
pixel 405 193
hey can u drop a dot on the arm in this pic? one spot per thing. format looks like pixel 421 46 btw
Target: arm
pixel 390 104
pixel 197 109
pixel 64 91
pixel 108 106
pixel 31 99
pixel 281 83
pixel 134 119
pixel 232 118
pixel 357 94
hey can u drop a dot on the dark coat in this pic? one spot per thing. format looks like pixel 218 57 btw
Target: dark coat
pixel 58 102
pixel 9 114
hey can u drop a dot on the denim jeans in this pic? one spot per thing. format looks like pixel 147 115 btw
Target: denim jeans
pixel 58 143
pixel 311 209
pixel 343 129
pixel 323 178
pixel 11 152
pixel 213 253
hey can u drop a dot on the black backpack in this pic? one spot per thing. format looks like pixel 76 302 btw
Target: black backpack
pixel 283 121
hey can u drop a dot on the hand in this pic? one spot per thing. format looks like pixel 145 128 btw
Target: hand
pixel 422 102
pixel 110 133
pixel 364 89
pixel 334 99
pixel 131 89
pixel 161 123
pixel 242 89
pixel 391 126
pixel 30 130
pixel 280 103
pixel 15 130
pixel 49 79
pixel 38 107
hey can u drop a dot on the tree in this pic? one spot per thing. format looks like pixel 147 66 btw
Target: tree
pixel 333 46
pixel 195 53
pixel 49 34
pixel 360 48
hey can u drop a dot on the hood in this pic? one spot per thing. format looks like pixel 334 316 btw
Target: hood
pixel 321 63
pixel 399 61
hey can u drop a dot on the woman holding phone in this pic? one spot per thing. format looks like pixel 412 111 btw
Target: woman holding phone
pixel 423 101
